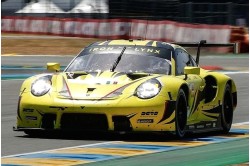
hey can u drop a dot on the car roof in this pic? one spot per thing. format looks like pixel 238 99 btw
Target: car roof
pixel 137 42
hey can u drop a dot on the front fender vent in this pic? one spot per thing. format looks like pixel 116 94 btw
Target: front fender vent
pixel 210 89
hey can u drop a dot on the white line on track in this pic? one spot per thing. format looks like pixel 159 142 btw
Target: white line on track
pixel 235 72
pixel 13 80
pixel 14 55
pixel 241 123
pixel 89 145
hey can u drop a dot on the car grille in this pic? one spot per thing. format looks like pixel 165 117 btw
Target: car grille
pixel 73 121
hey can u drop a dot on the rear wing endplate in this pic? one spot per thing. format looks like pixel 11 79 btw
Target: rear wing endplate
pixel 203 43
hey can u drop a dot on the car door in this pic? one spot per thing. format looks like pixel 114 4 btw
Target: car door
pixel 194 82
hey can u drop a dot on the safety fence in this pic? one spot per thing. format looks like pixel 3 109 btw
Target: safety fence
pixel 223 12
pixel 169 31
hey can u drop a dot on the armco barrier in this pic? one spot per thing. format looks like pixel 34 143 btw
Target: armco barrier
pixel 169 31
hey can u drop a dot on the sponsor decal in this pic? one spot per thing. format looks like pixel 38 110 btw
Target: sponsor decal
pixel 150 50
pixel 70 75
pixel 136 49
pixel 202 126
pixel 208 125
pixel 145 121
pixel 149 113
pixel 191 127
pixel 28 110
pixel 31 118
pixel 95 49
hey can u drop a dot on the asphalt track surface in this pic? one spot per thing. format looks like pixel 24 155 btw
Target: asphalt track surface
pixel 17 142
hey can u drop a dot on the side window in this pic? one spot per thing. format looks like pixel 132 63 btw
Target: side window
pixel 182 59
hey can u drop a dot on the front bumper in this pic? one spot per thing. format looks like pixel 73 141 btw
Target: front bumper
pixel 132 114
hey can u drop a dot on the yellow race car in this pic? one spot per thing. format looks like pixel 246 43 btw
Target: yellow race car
pixel 129 86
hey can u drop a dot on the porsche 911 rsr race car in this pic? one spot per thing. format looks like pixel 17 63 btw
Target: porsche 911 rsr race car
pixel 129 86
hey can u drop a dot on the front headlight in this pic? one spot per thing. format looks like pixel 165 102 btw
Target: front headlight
pixel 148 89
pixel 41 86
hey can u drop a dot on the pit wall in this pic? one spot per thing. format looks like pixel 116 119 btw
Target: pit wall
pixel 169 31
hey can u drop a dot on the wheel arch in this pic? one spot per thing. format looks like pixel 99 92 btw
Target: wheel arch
pixel 222 80
pixel 186 90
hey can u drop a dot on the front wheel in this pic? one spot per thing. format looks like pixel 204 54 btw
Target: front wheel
pixel 227 110
pixel 180 114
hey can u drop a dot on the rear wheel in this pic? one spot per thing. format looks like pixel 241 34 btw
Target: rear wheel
pixel 227 110
pixel 181 114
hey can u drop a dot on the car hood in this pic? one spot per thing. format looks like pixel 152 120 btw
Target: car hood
pixel 98 85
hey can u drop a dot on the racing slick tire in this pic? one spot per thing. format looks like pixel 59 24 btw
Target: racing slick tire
pixel 180 114
pixel 227 110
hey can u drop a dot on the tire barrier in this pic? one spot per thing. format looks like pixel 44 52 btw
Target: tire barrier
pixel 169 31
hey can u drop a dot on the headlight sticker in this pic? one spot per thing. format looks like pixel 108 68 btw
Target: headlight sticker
pixel 148 89
pixel 41 86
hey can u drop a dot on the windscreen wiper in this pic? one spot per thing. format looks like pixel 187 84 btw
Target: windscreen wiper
pixel 118 59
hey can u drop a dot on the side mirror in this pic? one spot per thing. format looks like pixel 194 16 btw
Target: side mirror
pixel 53 67
pixel 192 70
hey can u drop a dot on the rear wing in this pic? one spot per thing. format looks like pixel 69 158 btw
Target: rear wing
pixel 203 43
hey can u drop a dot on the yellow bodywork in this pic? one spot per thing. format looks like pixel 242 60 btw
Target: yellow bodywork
pixel 95 103
pixel 113 96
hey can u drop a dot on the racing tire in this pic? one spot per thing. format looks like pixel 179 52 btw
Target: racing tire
pixel 227 110
pixel 180 114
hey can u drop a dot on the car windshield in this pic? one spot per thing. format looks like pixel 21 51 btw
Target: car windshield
pixel 129 59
